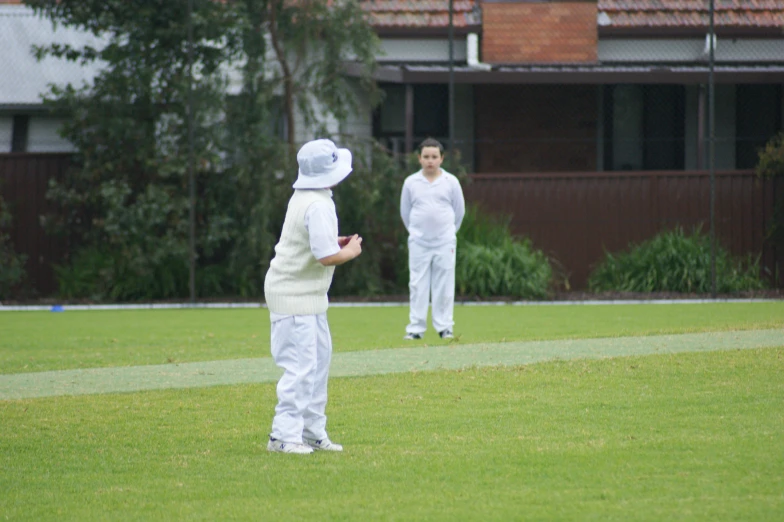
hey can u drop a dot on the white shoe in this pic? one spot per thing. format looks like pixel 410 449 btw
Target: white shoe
pixel 412 336
pixel 278 446
pixel 446 334
pixel 322 444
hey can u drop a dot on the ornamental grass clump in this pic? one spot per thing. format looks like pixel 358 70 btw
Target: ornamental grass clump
pixel 491 262
pixel 675 262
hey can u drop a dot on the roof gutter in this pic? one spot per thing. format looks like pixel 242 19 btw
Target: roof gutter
pixel 697 31
pixel 24 107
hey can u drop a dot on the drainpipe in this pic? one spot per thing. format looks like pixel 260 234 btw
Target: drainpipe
pixel 712 143
pixel 472 53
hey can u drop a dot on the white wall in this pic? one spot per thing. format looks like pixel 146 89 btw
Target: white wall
pixel 635 50
pixel 360 122
pixel 42 136
pixel 421 50
pixel 6 130
pixel 23 78
pixel 324 125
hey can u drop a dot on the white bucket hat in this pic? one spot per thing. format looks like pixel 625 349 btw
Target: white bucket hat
pixel 322 165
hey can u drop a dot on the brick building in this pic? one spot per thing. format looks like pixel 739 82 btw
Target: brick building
pixel 582 85
pixel 585 121
pixel 539 85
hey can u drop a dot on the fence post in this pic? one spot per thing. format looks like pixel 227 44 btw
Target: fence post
pixel 712 147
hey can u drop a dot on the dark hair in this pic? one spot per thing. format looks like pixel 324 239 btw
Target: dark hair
pixel 430 142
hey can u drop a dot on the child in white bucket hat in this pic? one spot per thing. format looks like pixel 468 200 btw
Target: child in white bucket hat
pixel 295 290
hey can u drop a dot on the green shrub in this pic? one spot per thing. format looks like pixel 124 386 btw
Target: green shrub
pixel 87 276
pixel 142 254
pixel 674 262
pixel 482 228
pixel 368 204
pixel 491 262
pixel 12 272
pixel 771 165
pixel 511 269
pixel 100 274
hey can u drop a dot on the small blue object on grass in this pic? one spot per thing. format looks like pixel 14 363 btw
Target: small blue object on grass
pixel 57 308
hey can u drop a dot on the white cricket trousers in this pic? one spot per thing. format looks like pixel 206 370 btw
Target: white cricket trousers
pixel 302 347
pixel 431 272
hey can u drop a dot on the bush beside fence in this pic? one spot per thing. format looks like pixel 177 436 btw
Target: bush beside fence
pixel 573 218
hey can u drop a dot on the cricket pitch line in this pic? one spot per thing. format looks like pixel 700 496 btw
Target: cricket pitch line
pixel 376 362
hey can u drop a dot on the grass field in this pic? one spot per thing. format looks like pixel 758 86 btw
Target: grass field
pixel 40 341
pixel 693 436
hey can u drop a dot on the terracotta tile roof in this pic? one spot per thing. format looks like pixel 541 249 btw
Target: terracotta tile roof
pixel 421 13
pixel 690 13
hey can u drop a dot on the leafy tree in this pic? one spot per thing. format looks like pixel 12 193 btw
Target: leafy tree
pixel 124 207
pixel 771 165
pixel 258 157
pixel 127 194
pixel 312 39
pixel 298 49
pixel 11 264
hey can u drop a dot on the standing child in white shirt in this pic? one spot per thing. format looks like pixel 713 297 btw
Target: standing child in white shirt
pixel 432 207
pixel 295 289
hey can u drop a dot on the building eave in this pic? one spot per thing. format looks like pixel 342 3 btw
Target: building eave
pixel 596 74
pixel 24 108
pixel 424 32
pixel 690 32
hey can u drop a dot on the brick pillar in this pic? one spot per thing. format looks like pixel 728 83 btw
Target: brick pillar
pixel 536 31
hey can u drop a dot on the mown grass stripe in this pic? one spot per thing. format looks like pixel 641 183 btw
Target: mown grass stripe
pixel 421 358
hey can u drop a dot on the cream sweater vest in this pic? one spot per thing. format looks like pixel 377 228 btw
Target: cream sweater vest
pixel 296 283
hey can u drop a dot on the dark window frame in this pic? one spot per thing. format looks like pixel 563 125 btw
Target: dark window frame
pixel 678 138
pixel 20 131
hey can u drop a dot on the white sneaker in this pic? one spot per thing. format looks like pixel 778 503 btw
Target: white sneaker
pixel 322 444
pixel 412 336
pixel 446 334
pixel 278 446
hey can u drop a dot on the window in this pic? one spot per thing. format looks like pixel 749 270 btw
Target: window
pixel 644 127
pixel 390 117
pixel 431 113
pixel 431 110
pixel 19 133
pixel 758 119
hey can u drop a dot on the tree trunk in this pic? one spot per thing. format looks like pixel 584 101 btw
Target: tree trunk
pixel 288 79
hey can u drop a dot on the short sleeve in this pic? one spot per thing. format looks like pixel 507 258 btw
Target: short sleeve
pixel 321 223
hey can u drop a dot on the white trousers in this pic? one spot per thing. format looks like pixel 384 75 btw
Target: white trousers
pixel 302 347
pixel 431 272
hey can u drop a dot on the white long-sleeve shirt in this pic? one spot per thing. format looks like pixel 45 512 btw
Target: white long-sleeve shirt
pixel 432 212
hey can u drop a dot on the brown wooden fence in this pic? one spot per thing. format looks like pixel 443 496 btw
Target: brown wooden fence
pixel 573 216
pixel 24 179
